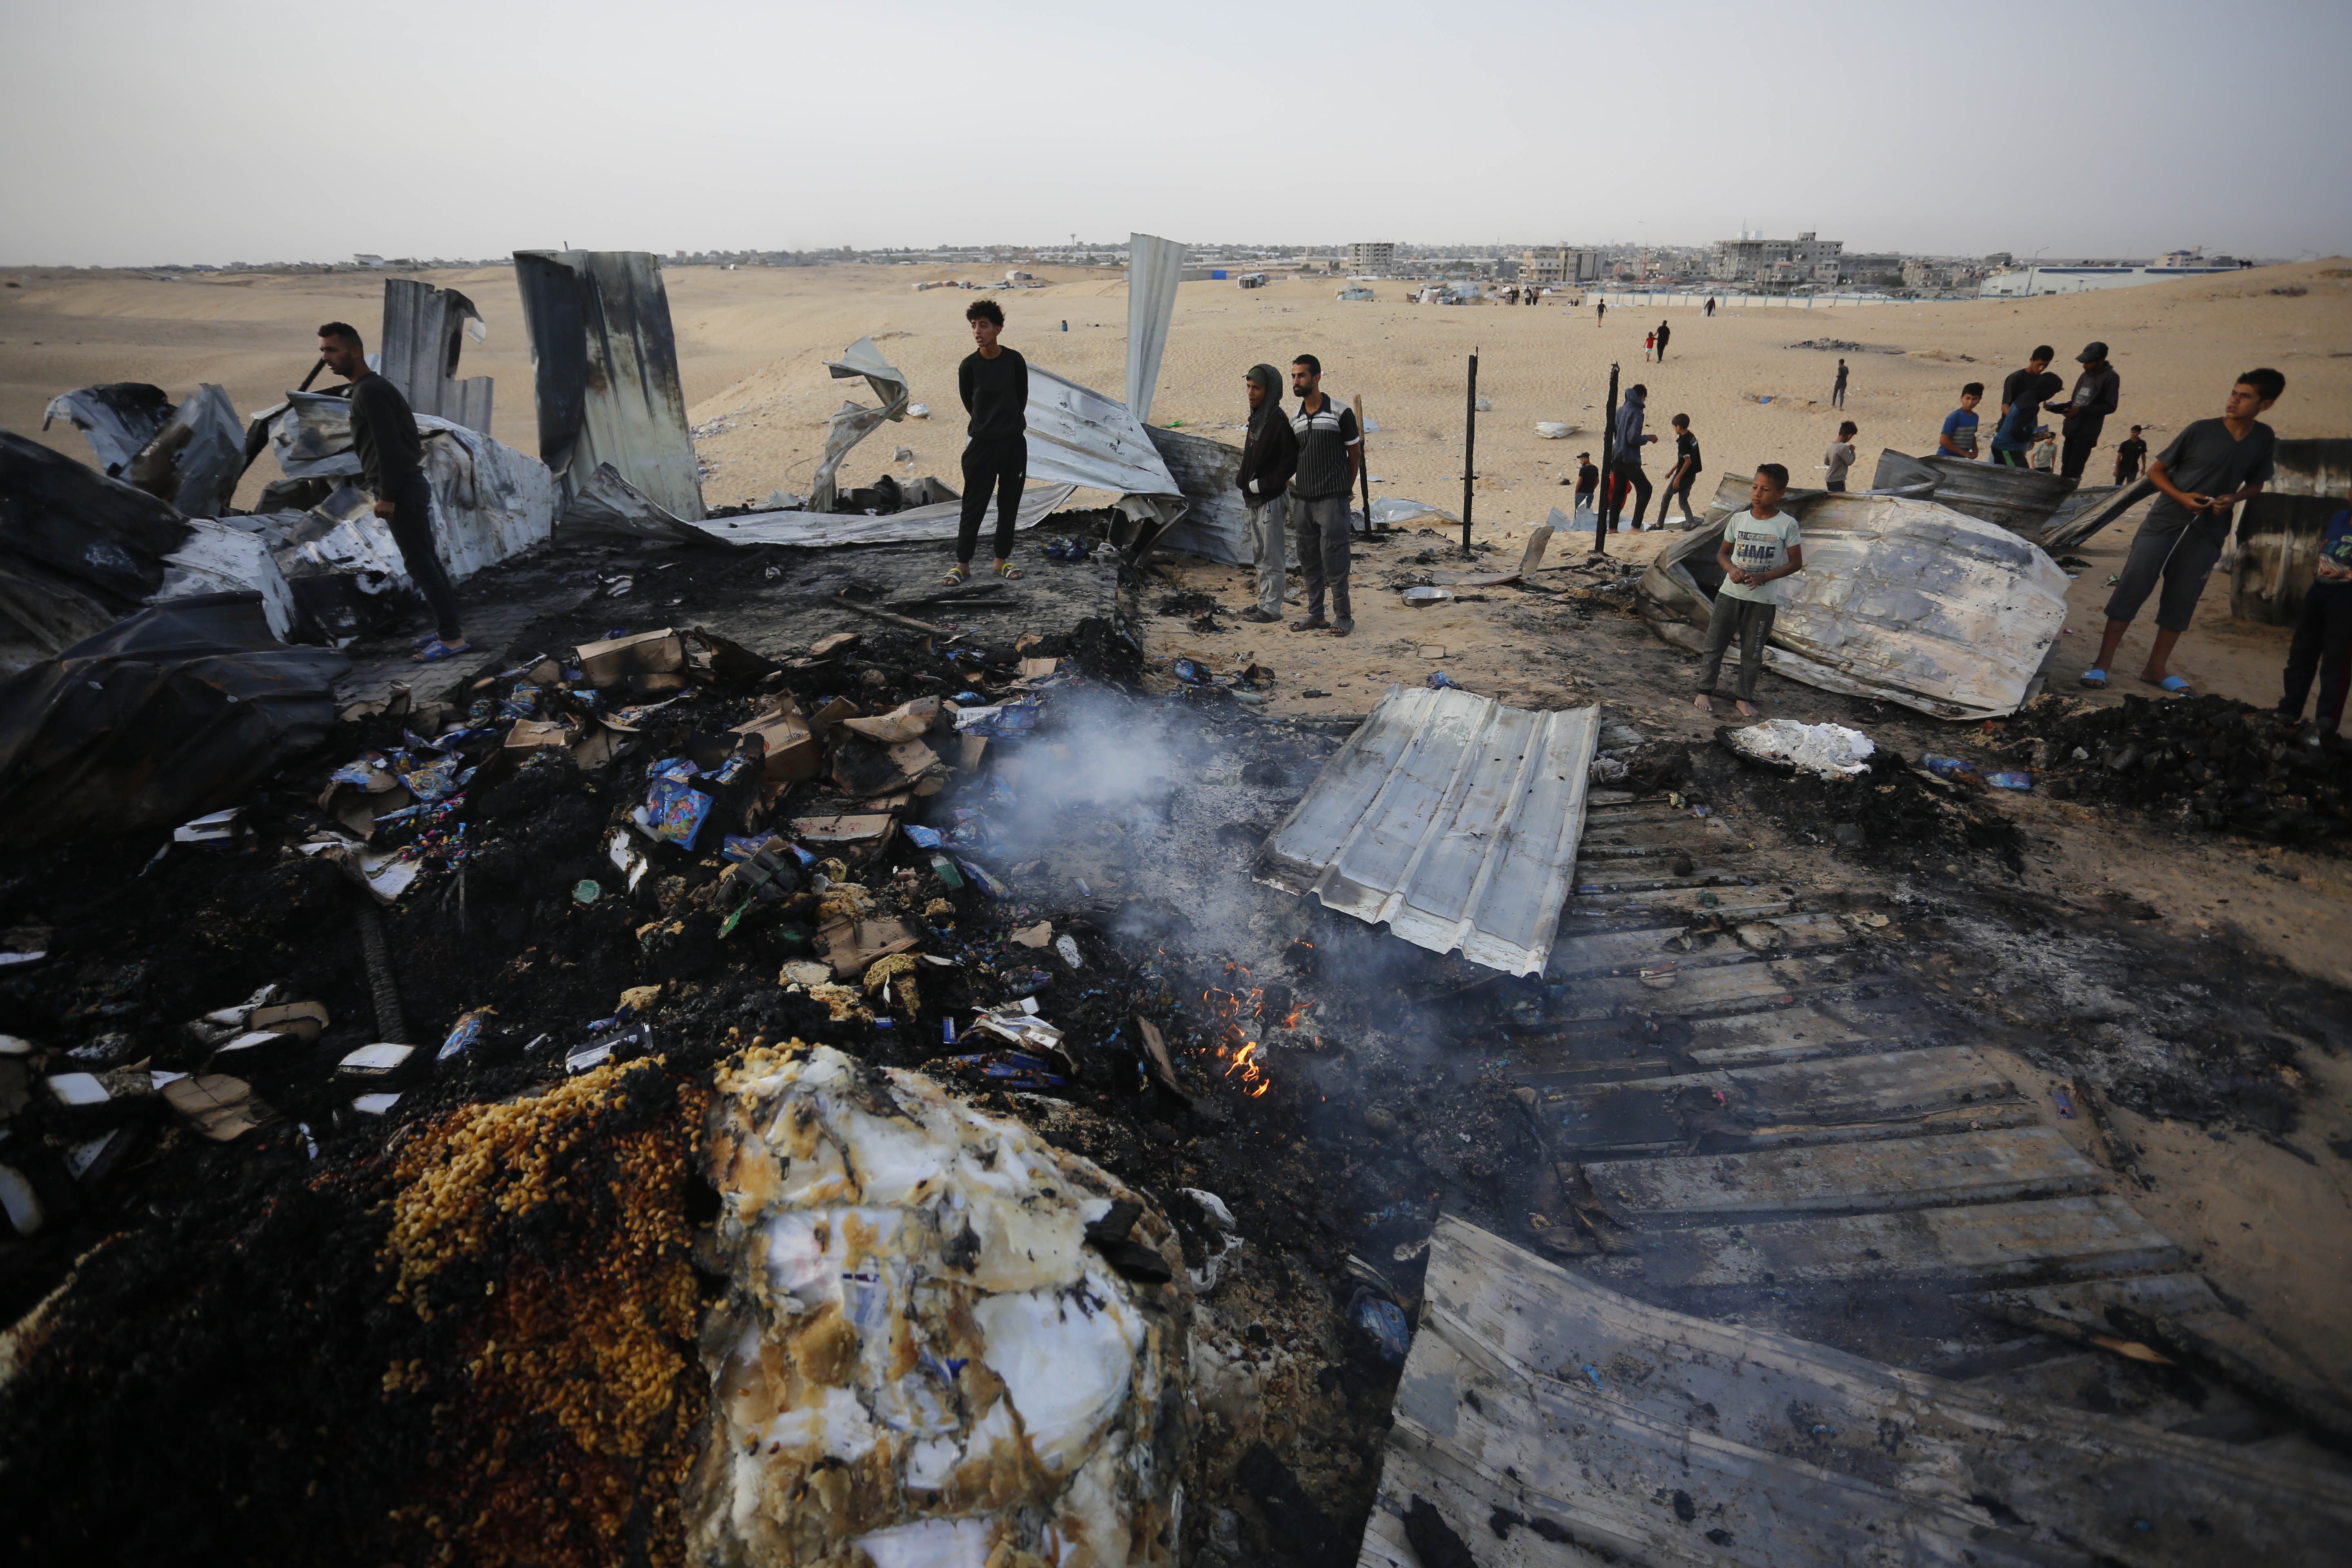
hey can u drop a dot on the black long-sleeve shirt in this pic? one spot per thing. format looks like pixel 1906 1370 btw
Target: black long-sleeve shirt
pixel 383 434
pixel 995 394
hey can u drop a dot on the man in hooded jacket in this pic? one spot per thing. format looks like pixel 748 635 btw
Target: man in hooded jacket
pixel 1269 457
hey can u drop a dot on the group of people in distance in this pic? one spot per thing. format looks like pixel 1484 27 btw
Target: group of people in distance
pixel 1299 467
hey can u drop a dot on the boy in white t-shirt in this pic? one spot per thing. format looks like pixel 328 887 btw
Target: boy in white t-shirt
pixel 1760 546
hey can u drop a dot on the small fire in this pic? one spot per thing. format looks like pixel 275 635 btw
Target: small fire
pixel 1231 1043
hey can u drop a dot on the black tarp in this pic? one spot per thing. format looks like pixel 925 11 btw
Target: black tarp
pixel 178 711
pixel 78 550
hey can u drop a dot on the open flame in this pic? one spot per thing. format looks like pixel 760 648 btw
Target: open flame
pixel 1230 1041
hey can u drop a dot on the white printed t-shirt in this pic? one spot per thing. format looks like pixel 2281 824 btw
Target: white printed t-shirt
pixel 1762 544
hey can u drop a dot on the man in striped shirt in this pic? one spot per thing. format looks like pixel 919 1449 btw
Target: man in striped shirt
pixel 1330 449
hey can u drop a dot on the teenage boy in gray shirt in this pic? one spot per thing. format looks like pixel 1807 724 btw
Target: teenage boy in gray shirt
pixel 2210 467
pixel 1760 546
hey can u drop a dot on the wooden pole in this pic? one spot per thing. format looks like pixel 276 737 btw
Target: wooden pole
pixel 1469 450
pixel 1608 462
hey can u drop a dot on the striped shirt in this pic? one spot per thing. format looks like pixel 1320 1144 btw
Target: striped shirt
pixel 1324 437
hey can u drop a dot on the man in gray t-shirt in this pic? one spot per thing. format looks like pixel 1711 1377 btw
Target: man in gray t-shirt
pixel 2210 467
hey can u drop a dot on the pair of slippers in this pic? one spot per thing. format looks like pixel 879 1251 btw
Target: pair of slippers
pixel 2172 685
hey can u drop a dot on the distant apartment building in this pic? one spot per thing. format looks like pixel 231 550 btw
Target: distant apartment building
pixel 1862 267
pixel 1808 258
pixel 1371 255
pixel 1559 264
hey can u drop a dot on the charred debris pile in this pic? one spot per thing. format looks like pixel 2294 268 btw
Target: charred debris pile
pixel 2205 761
pixel 351 1137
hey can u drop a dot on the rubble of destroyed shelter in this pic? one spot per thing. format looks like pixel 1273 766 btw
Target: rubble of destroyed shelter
pixel 774 1059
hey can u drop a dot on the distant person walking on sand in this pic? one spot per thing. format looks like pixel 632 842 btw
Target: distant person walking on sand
pixel 1649 346
pixel 1599 311
pixel 391 469
pixel 1665 332
pixel 2130 453
pixel 2210 467
pixel 1269 457
pixel 1628 461
pixel 1839 459
pixel 2021 396
pixel 1329 449
pixel 1588 481
pixel 1685 469
pixel 2322 636
pixel 1837 392
pixel 994 382
pixel 1760 546
pixel 1958 438
pixel 1710 306
pixel 2096 392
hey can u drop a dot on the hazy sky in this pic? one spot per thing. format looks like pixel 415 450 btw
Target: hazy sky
pixel 156 131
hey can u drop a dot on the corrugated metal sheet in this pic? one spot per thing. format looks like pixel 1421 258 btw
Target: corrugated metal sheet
pixel 1450 817
pixel 1901 600
pixel 1545 1421
pixel 1215 524
pixel 817 528
pixel 1154 269
pixel 425 329
pixel 2020 499
pixel 1081 438
pixel 606 370
pixel 191 455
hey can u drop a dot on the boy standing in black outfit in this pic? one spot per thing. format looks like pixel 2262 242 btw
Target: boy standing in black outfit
pixel 392 469
pixel 995 381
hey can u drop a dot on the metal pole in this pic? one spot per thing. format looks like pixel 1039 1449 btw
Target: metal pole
pixel 1608 461
pixel 1469 450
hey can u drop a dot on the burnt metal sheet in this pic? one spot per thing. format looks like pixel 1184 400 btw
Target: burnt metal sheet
pixel 2021 500
pixel 854 421
pixel 1155 267
pixel 1215 524
pixel 2279 529
pixel 425 329
pixel 1697 1442
pixel 179 709
pixel 489 500
pixel 606 369
pixel 1901 600
pixel 118 416
pixel 1450 817
pixel 813 529
pixel 1080 437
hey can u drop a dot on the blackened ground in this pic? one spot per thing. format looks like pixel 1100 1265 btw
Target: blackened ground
pixel 2203 761
pixel 1890 815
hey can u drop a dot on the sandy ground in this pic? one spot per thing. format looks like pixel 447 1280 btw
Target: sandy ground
pixel 752 343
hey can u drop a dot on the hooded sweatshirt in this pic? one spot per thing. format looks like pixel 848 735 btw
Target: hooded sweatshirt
pixel 1270 451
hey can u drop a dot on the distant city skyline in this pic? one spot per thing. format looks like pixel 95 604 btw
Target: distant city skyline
pixel 144 132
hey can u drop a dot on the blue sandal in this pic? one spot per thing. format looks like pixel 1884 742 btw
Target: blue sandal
pixel 2096 679
pixel 436 650
pixel 2176 686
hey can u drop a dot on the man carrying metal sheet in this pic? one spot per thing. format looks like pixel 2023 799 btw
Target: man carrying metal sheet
pixel 994 382
pixel 1269 457
pixel 1330 448
pixel 392 469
